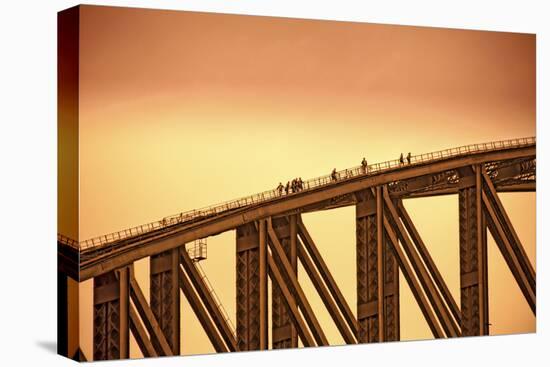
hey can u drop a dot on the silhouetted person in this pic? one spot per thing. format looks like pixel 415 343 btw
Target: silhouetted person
pixel 401 159
pixel 280 188
pixel 364 165
pixel 287 187
pixel 409 158
pixel 333 175
pixel 300 183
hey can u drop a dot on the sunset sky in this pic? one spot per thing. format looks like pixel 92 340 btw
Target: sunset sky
pixel 182 110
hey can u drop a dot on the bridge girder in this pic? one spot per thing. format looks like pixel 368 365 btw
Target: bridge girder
pixel 321 266
pixel 508 242
pixel 202 314
pixel 155 243
pixel 473 258
pixel 208 300
pixel 284 333
pixel 165 295
pixel 289 275
pixel 377 273
pixel 251 290
pixel 386 242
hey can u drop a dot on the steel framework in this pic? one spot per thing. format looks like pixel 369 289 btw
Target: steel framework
pixel 272 239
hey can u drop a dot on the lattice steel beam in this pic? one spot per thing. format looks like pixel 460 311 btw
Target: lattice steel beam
pixel 416 290
pixel 209 302
pixel 473 259
pixel 156 335
pixel 111 316
pixel 201 313
pixel 443 313
pixel 290 277
pixel 509 251
pixel 165 296
pixel 251 287
pixel 277 279
pixel 375 260
pixel 510 232
pixel 325 295
pixel 284 334
pixel 142 339
pixel 430 264
pixel 334 290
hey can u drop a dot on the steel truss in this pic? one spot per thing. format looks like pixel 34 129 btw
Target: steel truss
pixel 269 248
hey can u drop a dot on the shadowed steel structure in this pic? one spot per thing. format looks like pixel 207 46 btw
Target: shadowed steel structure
pixel 271 239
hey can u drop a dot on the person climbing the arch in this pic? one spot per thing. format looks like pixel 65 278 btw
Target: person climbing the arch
pixel 364 165
pixel 333 175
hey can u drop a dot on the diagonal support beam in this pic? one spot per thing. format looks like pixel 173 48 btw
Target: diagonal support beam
pixel 333 288
pixel 277 277
pixel 325 295
pixel 508 253
pixel 443 313
pixel 302 300
pixel 201 313
pixel 140 335
pixel 283 331
pixel 208 300
pixel 426 257
pixel 413 283
pixel 146 314
pixel 511 233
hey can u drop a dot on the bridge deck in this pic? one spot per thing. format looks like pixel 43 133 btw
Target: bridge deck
pixel 107 252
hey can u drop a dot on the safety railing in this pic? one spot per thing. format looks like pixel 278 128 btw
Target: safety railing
pixel 219 304
pixel 198 250
pixel 339 176
pixel 67 241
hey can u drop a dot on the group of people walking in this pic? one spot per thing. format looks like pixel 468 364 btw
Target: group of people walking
pixel 296 185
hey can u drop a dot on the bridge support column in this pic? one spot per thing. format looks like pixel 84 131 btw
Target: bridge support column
pixel 165 296
pixel 284 333
pixel 377 302
pixel 473 260
pixel 252 287
pixel 111 327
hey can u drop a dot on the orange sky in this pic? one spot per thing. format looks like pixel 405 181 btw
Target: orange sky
pixel 181 110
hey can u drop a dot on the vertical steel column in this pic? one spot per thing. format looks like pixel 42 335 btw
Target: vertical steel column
pixel 124 311
pixel 391 293
pixel 367 267
pixel 284 333
pixel 165 297
pixel 380 261
pixel 473 260
pixel 251 287
pixel 111 316
pixel 375 260
pixel 264 335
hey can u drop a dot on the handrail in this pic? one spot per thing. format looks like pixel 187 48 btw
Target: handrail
pixel 216 298
pixel 307 185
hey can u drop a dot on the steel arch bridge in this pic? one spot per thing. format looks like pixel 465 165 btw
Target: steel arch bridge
pixel 271 239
